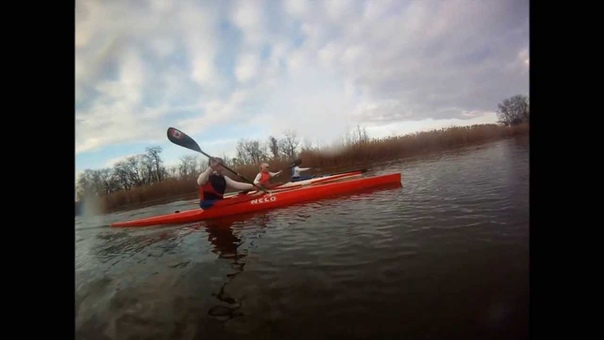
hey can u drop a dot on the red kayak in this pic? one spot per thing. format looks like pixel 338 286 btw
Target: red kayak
pixel 312 181
pixel 241 204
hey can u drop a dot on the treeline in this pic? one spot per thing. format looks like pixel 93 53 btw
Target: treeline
pixel 148 170
pixel 144 179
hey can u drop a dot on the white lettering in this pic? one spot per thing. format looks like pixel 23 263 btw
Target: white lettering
pixel 264 200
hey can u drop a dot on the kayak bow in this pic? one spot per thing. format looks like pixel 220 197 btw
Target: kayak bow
pixel 241 204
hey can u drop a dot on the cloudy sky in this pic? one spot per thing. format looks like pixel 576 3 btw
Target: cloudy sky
pixel 225 70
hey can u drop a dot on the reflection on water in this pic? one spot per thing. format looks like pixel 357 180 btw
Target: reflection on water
pixel 446 256
pixel 223 235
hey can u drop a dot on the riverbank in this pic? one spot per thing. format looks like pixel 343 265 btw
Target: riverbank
pixel 355 154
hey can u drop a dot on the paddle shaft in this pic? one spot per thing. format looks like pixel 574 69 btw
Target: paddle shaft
pixel 180 138
pixel 236 173
pixel 294 163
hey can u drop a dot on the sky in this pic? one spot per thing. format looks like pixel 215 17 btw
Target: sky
pixel 221 71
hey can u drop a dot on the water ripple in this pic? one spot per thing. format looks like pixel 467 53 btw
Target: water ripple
pixel 450 247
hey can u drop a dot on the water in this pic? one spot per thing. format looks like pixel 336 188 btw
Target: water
pixel 446 256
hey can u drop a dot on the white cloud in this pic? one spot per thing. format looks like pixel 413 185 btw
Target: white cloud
pixel 297 8
pixel 113 161
pixel 374 10
pixel 318 67
pixel 247 14
pixel 216 112
pixel 247 67
pixel 523 56
pixel 338 10
pixel 163 46
pixel 197 26
pixel 412 126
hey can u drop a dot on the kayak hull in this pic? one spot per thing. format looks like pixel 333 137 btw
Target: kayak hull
pixel 322 179
pixel 312 181
pixel 262 201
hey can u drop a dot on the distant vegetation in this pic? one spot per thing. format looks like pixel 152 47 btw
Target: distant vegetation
pixel 143 179
pixel 514 110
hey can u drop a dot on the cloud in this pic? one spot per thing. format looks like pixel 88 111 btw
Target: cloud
pixel 113 161
pixel 318 67
pixel 413 126
pixel 247 67
pixel 249 17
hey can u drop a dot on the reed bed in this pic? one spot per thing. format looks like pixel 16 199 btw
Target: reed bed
pixel 355 154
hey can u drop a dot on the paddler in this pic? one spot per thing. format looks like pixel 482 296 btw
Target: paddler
pixel 296 174
pixel 264 176
pixel 212 184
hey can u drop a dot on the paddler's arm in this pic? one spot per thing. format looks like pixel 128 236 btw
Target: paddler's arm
pixel 257 179
pixel 238 185
pixel 304 169
pixel 273 174
pixel 203 177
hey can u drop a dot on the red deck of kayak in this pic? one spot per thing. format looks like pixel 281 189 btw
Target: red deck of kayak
pixel 312 181
pixel 262 201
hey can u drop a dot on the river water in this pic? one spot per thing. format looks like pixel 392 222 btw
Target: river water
pixel 444 257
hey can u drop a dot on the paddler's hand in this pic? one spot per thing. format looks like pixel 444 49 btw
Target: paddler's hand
pixel 278 173
pixel 215 164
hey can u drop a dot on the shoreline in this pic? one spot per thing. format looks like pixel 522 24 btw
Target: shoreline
pixel 359 154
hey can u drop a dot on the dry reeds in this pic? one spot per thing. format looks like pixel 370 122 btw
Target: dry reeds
pixel 352 155
pixel 399 147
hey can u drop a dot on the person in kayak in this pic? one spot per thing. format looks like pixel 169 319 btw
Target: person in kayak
pixel 264 176
pixel 212 184
pixel 296 174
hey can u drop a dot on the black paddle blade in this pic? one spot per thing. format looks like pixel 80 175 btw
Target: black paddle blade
pixel 180 138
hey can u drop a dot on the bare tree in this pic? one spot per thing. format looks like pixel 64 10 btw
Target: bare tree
pixel 136 172
pixel 120 172
pixel 187 166
pixel 173 171
pixel 513 110
pixel 235 161
pixel 158 171
pixel 289 144
pixel 147 170
pixel 273 145
pixel 250 151
pixel 307 146
pixel 242 155
pixel 85 184
pixel 108 183
pixel 96 183
pixel 129 172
